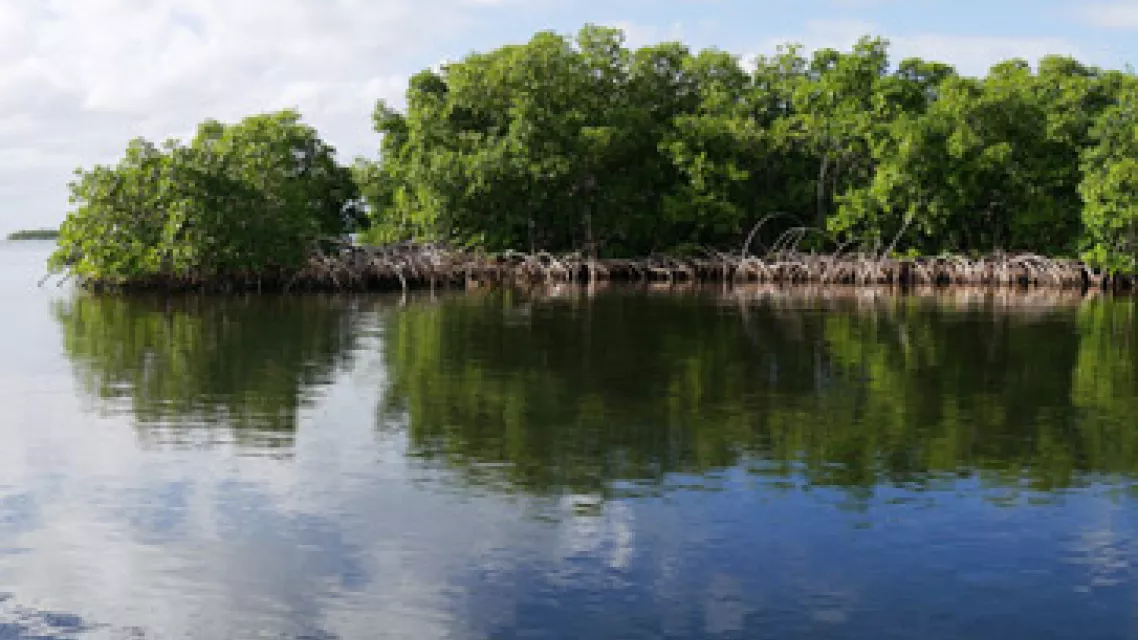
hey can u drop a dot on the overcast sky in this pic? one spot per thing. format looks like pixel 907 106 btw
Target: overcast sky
pixel 78 78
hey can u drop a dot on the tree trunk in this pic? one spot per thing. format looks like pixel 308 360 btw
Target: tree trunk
pixel 821 214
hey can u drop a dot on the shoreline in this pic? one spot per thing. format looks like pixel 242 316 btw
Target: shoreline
pixel 354 268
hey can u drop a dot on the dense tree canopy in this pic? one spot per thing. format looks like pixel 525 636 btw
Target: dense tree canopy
pixel 247 198
pixel 582 143
pixel 1110 186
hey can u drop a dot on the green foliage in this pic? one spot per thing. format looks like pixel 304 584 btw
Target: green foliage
pixel 992 164
pixel 580 143
pixel 584 144
pixel 249 198
pixel 1110 186
pixel 560 143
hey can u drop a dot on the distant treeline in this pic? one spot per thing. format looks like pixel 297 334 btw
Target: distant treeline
pixel 582 144
pixel 34 234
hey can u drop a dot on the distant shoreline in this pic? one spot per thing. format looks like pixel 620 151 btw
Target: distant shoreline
pixel 33 234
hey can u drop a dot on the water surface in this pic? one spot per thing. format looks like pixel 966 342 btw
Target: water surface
pixel 631 463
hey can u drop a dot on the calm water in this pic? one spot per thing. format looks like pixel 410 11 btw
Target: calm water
pixel 628 465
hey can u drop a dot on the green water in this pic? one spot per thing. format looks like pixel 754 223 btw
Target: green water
pixel 629 463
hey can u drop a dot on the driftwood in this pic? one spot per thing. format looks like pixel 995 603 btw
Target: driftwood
pixel 417 266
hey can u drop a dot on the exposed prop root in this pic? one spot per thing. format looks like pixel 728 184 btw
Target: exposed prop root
pixel 411 266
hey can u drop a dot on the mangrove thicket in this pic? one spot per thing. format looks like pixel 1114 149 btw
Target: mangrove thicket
pixel 582 144
pixel 248 201
pixel 585 144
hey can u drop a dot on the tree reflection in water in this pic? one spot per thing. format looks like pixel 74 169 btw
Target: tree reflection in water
pixel 196 370
pixel 849 388
pixel 637 389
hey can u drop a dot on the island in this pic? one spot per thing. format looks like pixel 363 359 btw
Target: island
pixel 575 158
pixel 34 234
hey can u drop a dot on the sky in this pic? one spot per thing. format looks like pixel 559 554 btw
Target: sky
pixel 80 78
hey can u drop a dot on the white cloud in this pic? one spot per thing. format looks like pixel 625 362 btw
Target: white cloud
pixel 862 4
pixel 975 54
pixel 1112 15
pixel 640 35
pixel 972 55
pixel 80 78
